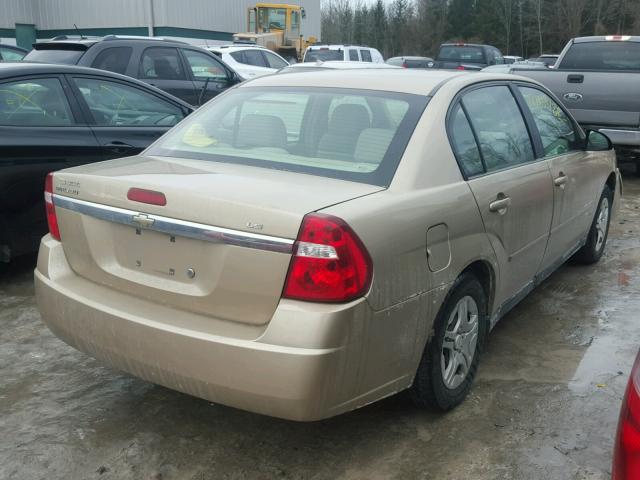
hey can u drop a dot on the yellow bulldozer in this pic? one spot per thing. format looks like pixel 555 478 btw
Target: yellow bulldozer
pixel 276 26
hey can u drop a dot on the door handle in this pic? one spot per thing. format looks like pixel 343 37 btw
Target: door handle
pixel 561 180
pixel 118 147
pixel 500 204
pixel 575 78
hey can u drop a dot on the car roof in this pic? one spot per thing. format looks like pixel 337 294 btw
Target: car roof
pixel 401 80
pixel 607 38
pixel 339 64
pixel 90 41
pixel 336 46
pixel 233 48
pixel 18 69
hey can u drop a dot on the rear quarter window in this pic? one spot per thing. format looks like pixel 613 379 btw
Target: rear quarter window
pixel 114 59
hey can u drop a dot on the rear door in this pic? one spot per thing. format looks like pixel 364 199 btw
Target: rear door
pixel 125 118
pixel 512 188
pixel 41 130
pixel 572 168
pixel 162 67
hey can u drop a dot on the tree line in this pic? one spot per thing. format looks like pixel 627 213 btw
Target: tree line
pixel 517 27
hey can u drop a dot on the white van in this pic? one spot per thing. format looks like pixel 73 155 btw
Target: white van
pixel 352 53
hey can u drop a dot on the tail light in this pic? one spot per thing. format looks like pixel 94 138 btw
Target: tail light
pixel 404 65
pixel 460 67
pixel 329 263
pixel 626 457
pixel 52 219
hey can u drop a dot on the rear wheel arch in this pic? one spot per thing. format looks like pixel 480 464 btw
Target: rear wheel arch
pixel 484 272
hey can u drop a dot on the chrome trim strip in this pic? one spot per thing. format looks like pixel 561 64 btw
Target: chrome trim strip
pixel 175 227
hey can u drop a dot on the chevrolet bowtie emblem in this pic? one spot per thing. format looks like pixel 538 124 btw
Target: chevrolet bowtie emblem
pixel 142 220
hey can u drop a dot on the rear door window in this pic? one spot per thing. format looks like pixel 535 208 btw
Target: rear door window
pixel 556 128
pixel 464 143
pixel 34 102
pixel 353 55
pixel 116 104
pixel 161 63
pixel 366 55
pixel 501 130
pixel 114 59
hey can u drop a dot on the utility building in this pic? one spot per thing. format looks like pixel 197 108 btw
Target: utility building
pixel 197 21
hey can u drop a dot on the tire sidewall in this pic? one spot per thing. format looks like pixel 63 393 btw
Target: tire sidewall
pixel 593 234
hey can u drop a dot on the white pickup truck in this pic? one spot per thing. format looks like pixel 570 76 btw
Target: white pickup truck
pixel 598 80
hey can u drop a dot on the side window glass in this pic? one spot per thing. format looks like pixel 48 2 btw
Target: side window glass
pixel 203 66
pixel 366 55
pixel 464 144
pixel 556 129
pixel 162 64
pixel 255 58
pixel 9 55
pixel 114 59
pixel 238 57
pixel 37 102
pixel 116 104
pixel 500 127
pixel 274 61
pixel 353 55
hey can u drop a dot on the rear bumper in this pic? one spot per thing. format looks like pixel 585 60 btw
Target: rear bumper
pixel 302 366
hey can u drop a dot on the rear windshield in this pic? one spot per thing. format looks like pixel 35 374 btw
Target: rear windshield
pixel 323 55
pixel 356 135
pixel 67 57
pixel 615 55
pixel 465 54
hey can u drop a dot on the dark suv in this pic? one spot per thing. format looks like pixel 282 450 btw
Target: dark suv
pixel 176 67
pixel 467 56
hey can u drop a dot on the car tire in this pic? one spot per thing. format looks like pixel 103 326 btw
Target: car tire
pixel 592 251
pixel 435 386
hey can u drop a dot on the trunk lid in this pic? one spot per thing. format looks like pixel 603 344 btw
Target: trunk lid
pixel 219 247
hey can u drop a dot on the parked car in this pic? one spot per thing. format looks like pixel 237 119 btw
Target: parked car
pixel 548 59
pixel 467 56
pixel 178 68
pixel 11 53
pixel 333 65
pixel 411 62
pixel 508 59
pixel 626 456
pixel 307 244
pixel 59 116
pixel 352 53
pixel 583 79
pixel 249 61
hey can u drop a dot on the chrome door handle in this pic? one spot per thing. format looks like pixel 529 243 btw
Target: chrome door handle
pixel 561 180
pixel 500 204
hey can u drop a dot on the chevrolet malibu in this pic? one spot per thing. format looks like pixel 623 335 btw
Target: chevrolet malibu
pixel 304 245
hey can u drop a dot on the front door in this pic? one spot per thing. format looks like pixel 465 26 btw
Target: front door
pixel 574 197
pixel 512 188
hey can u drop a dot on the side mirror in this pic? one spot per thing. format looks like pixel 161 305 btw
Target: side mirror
pixel 598 142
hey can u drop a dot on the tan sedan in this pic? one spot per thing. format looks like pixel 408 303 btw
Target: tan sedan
pixel 306 244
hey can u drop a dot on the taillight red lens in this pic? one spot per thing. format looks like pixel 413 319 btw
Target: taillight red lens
pixel 147 196
pixel 626 457
pixel 329 263
pixel 460 67
pixel 52 219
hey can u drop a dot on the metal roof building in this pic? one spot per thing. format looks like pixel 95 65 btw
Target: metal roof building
pixel 214 21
